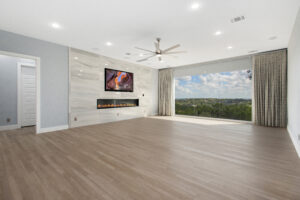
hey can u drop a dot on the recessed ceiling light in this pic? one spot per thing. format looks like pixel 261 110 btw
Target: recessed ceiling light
pixel 80 70
pixel 162 61
pixel 76 58
pixel 55 25
pixel 229 47
pixel 218 33
pixel 141 54
pixel 195 6
pixel 108 44
pixel 105 64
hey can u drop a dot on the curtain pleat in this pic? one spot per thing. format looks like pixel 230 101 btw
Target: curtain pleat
pixel 165 107
pixel 270 88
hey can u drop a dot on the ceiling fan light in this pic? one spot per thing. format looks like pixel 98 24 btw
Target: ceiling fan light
pixel 158 55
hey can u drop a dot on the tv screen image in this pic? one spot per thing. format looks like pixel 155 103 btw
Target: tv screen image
pixel 120 81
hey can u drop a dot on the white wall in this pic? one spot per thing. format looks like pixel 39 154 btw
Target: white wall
pixel 87 85
pixel 294 84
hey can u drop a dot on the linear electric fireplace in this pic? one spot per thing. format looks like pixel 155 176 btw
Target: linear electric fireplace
pixel 116 103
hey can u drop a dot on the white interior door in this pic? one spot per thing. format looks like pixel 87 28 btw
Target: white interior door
pixel 28 96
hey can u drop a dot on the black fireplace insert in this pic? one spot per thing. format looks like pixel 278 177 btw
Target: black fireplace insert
pixel 116 103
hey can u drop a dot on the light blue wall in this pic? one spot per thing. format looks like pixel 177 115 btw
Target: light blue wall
pixel 8 90
pixel 54 74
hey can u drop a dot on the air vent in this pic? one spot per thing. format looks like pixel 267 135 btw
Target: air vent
pixel 237 19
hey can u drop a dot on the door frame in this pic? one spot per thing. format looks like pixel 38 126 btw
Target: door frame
pixel 38 85
pixel 20 108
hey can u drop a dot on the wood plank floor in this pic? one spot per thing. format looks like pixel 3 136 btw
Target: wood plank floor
pixel 149 159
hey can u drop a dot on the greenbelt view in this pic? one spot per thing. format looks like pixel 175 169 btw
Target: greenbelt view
pixel 220 95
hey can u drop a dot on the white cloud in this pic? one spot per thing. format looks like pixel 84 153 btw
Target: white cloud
pixel 182 89
pixel 234 84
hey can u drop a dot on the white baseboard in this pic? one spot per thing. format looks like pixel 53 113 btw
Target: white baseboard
pixel 9 127
pixel 295 142
pixel 54 128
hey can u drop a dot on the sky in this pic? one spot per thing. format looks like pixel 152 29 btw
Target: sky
pixel 234 84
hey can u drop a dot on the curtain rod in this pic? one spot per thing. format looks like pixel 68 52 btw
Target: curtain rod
pixel 224 59
pixel 269 51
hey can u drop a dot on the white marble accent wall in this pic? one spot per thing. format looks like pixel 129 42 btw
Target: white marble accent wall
pixel 87 85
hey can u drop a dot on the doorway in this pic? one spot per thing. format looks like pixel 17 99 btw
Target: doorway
pixel 27 94
pixel 19 91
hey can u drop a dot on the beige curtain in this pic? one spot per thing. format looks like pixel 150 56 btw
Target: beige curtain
pixel 165 87
pixel 270 88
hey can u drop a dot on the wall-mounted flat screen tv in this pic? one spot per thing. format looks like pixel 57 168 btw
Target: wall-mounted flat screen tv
pixel 118 81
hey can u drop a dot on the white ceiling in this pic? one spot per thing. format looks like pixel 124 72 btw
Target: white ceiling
pixel 89 24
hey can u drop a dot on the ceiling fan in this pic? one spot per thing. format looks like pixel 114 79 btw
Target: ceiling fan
pixel 158 52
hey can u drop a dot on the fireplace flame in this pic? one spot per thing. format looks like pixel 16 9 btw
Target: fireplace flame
pixel 115 105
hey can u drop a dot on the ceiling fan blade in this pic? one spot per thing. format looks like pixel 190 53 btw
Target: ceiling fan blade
pixel 144 49
pixel 173 47
pixel 173 56
pixel 175 52
pixel 144 59
pixel 142 54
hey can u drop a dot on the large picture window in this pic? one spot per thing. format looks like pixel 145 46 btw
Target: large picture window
pixel 218 95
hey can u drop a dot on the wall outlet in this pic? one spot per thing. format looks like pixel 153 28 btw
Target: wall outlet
pixel 75 118
pixel 7 120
